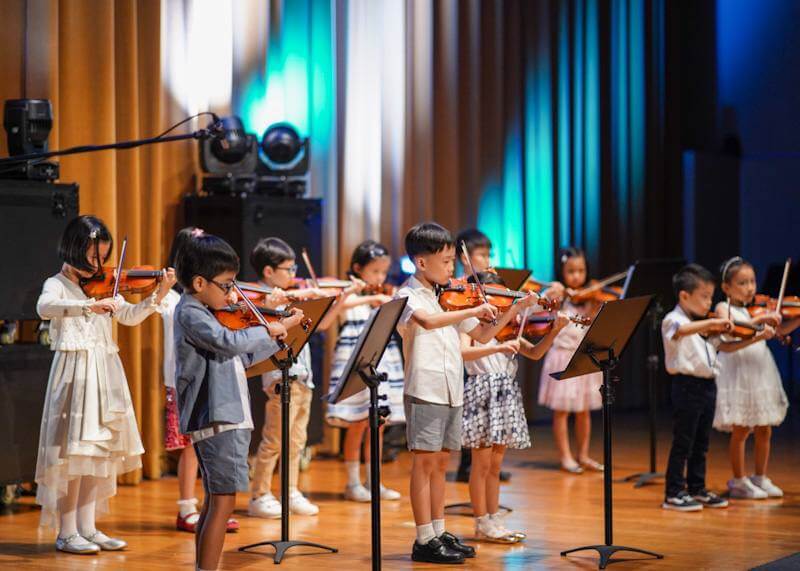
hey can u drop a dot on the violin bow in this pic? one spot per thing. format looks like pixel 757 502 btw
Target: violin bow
pixel 119 266
pixel 254 310
pixel 310 268
pixel 475 277
pixel 783 284
pixel 603 283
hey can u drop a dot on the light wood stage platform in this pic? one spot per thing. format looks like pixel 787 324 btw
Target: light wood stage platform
pixel 557 510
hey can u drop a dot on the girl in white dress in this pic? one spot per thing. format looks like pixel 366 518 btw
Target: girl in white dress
pixel 88 434
pixel 370 263
pixel 750 395
pixel 579 395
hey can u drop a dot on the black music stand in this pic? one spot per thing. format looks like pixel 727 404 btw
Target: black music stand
pixel 513 278
pixel 601 350
pixel 284 359
pixel 361 371
pixel 652 277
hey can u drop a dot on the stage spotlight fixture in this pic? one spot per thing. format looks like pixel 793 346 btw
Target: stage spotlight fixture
pixel 230 150
pixel 283 151
pixel 27 123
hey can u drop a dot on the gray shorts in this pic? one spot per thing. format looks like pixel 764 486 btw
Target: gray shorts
pixel 432 427
pixel 223 461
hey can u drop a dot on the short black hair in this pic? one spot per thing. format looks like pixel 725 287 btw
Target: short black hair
pixel 427 238
pixel 565 254
pixel 474 239
pixel 207 256
pixel 729 268
pixel 270 252
pixel 488 278
pixel 81 233
pixel 689 278
pixel 365 252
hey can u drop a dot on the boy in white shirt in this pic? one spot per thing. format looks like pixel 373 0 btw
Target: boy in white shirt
pixel 434 373
pixel 691 359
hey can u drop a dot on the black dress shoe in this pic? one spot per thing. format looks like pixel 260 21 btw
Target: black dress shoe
pixel 455 544
pixel 505 476
pixel 435 552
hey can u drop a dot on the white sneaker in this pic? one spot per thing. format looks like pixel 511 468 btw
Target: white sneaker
pixel 356 493
pixel 266 506
pixel 745 489
pixel 299 504
pixel 387 494
pixel 764 483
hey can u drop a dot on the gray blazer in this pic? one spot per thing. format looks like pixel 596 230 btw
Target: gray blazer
pixel 205 375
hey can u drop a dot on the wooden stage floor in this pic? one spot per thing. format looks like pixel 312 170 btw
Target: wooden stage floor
pixel 558 511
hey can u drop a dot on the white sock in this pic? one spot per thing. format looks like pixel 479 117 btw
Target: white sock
pixel 86 506
pixel 425 533
pixel 483 520
pixel 353 472
pixel 186 507
pixel 438 527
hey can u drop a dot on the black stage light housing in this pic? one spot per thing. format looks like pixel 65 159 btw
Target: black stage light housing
pixel 28 123
pixel 232 152
pixel 283 152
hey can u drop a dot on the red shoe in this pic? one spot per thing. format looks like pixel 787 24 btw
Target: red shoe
pixel 233 526
pixel 188 523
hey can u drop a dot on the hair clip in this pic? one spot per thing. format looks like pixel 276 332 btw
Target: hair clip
pixel 728 265
pixel 197 232
pixel 93 234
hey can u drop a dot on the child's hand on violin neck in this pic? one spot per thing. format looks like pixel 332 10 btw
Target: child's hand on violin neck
pixel 103 306
pixel 379 299
pixel 357 287
pixel 555 291
pixel 276 299
pixel 485 312
pixel 528 301
pixel 510 347
pixel 277 330
pixel 295 320
pixel 561 321
pixel 772 318
pixel 168 279
pixel 767 333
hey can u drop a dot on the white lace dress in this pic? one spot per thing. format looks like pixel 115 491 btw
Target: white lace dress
pixel 749 387
pixel 88 423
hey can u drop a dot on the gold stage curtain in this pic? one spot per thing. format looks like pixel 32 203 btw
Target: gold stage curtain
pixel 99 63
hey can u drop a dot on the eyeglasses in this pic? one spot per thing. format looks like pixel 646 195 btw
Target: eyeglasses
pixel 290 269
pixel 226 288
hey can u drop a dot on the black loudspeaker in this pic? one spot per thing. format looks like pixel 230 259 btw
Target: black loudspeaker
pixel 33 215
pixel 242 221
pixel 23 386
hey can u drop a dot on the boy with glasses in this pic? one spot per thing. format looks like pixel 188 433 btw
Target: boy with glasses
pixel 275 262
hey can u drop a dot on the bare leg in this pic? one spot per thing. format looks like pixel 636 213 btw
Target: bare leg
pixel 736 449
pixel 422 465
pixel 212 535
pixel 561 436
pixel 438 479
pixel 199 528
pixel 493 479
pixel 187 473
pixel 481 462
pixel 762 438
pixel 352 441
pixel 583 432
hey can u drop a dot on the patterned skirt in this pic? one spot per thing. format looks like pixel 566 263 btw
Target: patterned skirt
pixel 494 413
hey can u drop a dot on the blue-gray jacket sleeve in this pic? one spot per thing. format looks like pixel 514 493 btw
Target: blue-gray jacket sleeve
pixel 207 333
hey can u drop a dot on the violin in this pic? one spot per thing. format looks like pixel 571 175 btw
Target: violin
pixel 108 281
pixel 741 329
pixel 379 289
pixel 534 285
pixel 599 291
pixel 239 316
pixel 332 286
pixel 762 303
pixel 538 325
pixel 464 295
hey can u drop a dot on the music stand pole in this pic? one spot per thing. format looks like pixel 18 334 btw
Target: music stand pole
pixel 285 543
pixel 608 549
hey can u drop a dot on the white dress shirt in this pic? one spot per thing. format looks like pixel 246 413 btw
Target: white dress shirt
pixel 434 369
pixel 690 354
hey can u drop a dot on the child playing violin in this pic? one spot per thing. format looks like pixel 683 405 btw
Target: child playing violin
pixel 88 434
pixel 750 397
pixel 579 395
pixel 494 417
pixel 275 261
pixel 370 263
pixel 213 400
